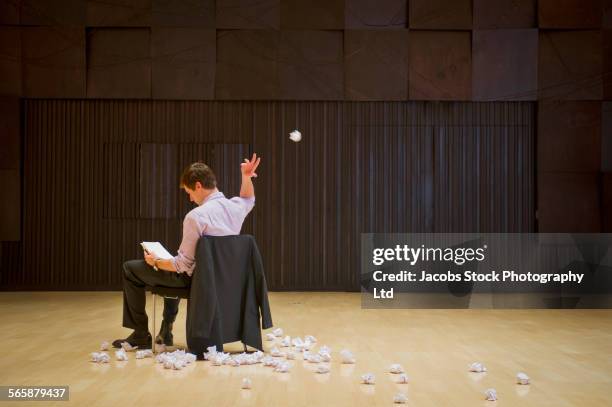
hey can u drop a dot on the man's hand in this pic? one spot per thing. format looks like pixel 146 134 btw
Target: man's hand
pixel 149 259
pixel 248 167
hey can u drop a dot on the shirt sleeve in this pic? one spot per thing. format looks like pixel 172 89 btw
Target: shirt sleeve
pixel 184 262
pixel 246 204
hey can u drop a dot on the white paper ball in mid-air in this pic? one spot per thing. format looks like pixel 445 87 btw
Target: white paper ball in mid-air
pixel 295 136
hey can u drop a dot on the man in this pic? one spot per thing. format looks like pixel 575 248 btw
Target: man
pixel 214 216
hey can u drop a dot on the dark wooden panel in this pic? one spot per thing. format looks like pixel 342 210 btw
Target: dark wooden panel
pixel 121 180
pixel 312 14
pixel 119 63
pixel 246 64
pixel 568 202
pixel 569 13
pixel 10 61
pixel 570 65
pixel 607 67
pixel 505 64
pixel 471 162
pixel 569 136
pixel 52 12
pixel 441 14
pixel 183 64
pixel 246 14
pixel 310 65
pixel 606 137
pixel 158 175
pixel 606 211
pixel 607 14
pixel 440 66
pixel 10 205
pixel 371 167
pixel 183 13
pixel 495 14
pixel 10 151
pixel 383 14
pixel 10 264
pixel 118 13
pixel 376 65
pixel 53 62
pixel 9 12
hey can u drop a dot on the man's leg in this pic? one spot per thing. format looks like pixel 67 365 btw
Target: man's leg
pixel 136 275
pixel 134 297
pixel 171 307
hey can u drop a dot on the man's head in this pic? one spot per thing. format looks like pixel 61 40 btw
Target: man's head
pixel 198 181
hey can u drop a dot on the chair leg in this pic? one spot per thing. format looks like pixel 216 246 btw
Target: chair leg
pixel 153 332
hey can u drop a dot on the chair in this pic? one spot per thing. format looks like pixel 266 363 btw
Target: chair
pixel 232 278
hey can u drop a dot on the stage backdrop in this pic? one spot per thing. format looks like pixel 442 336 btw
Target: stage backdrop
pixel 99 176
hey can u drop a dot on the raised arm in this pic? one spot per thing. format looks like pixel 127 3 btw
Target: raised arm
pixel 247 168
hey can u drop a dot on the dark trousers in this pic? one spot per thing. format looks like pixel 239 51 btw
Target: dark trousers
pixel 136 275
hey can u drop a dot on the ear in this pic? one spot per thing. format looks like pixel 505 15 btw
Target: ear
pixel 198 185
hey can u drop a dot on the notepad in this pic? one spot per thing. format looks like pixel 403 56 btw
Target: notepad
pixel 156 249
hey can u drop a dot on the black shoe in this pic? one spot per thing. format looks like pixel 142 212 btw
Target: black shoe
pixel 140 340
pixel 165 334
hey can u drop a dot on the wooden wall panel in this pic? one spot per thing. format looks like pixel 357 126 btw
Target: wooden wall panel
pixel 10 206
pixel 10 61
pixel 311 65
pixel 183 13
pixel 379 15
pixel 607 203
pixel 570 65
pixel 569 202
pixel 376 65
pixel 119 63
pixel 246 14
pixel 52 12
pixel 53 61
pixel 361 167
pixel 246 64
pixel 569 136
pixel 183 63
pixel 9 12
pixel 312 14
pixel 10 133
pixel 118 13
pixel 440 65
pixel 496 14
pixel 606 137
pixel 607 62
pixel 505 65
pixel 570 14
pixel 440 14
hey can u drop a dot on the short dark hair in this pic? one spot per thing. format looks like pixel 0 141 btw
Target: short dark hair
pixel 198 172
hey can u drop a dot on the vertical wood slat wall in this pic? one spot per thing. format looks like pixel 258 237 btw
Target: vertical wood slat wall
pixel 361 167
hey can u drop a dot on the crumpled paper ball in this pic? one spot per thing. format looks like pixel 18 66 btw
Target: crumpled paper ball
pixel 368 378
pixel 295 136
pixel 477 367
pixel 121 355
pixel 491 394
pixel 522 378
pixel 347 356
pixel 400 398
pixel 402 378
pixel 396 368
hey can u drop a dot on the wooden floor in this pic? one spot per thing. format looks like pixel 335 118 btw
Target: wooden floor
pixel 567 353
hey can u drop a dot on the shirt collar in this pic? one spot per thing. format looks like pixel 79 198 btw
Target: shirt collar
pixel 213 196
